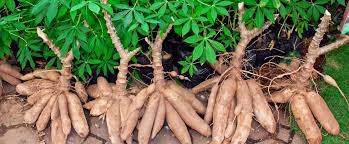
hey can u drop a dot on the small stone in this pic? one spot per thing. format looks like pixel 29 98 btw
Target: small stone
pixel 297 140
pixel 284 134
pixel 257 132
pixel 20 135
pixel 99 128
pixel 92 140
pixel 270 141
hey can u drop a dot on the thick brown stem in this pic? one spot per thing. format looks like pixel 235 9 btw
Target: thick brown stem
pixel 246 36
pixel 66 60
pixel 111 30
pixel 125 56
pixel 334 45
pixel 157 57
pixel 314 48
pixel 66 71
pixel 50 44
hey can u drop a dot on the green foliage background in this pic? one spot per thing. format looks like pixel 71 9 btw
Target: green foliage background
pixel 78 25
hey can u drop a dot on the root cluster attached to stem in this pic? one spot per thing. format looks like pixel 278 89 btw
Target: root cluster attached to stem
pixel 113 100
pixel 306 104
pixel 233 100
pixel 164 100
pixel 49 93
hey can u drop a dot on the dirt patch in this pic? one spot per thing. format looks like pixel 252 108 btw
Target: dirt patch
pixel 11 112
pixel 12 129
pixel 20 135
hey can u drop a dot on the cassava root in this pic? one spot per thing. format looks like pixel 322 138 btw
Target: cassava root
pixel 112 100
pixel 9 74
pixel 233 100
pixel 164 101
pixel 49 93
pixel 307 105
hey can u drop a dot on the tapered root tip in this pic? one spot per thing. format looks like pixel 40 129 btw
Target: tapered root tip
pixel 327 13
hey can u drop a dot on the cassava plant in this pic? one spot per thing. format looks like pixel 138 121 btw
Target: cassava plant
pixel 50 94
pixel 304 101
pixel 164 100
pixel 233 100
pixel 112 100
pixel 9 74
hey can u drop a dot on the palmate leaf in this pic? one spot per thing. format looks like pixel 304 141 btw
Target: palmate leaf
pixel 94 7
pixel 210 54
pixel 53 9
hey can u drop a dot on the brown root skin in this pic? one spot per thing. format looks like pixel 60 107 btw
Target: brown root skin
pixel 8 69
pixel 81 91
pixel 63 111
pixel 177 125
pixel 31 115
pixel 125 102
pixel 222 108
pixel 114 123
pixel 134 111
pixel 207 84
pixel 100 106
pixel 210 104
pixel 189 97
pixel 187 113
pixel 146 124
pixel 32 99
pixel 305 119
pixel 231 126
pixel 282 96
pixel 45 115
pixel 10 79
pixel 77 115
pixel 104 87
pixel 32 86
pixel 93 91
pixel 1 87
pixel 160 117
pixel 55 111
pixel 57 135
pixel 244 113
pixel 261 107
pixel 322 113
pixel 51 75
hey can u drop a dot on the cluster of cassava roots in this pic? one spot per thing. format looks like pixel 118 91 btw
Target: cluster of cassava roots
pixel 49 91
pixel 232 103
pixel 9 74
pixel 306 103
pixel 233 100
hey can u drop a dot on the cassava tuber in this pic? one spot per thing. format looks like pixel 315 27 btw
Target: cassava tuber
pixel 49 93
pixel 306 103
